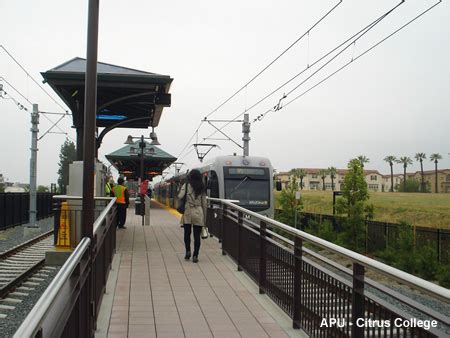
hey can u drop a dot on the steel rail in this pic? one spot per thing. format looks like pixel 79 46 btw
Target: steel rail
pixel 36 316
pixel 411 280
pixel 23 245
pixel 11 285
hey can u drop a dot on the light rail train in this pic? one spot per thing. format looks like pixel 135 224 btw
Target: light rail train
pixel 247 179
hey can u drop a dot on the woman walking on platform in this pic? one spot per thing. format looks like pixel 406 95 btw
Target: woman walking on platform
pixel 195 212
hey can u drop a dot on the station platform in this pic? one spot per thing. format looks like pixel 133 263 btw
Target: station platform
pixel 153 292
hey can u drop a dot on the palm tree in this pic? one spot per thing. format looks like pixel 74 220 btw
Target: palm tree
pixel 420 157
pixel 405 160
pixel 435 157
pixel 391 159
pixel 363 159
pixel 323 173
pixel 332 171
pixel 299 173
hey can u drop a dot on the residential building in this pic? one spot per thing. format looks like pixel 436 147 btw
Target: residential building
pixel 429 177
pixel 313 179
pixel 375 181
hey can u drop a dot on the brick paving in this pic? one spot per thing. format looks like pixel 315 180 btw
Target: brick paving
pixel 159 294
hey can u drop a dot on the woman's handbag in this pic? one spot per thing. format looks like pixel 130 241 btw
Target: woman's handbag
pixel 182 202
pixel 204 234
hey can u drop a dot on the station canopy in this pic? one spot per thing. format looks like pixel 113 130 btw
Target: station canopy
pixel 132 97
pixel 127 160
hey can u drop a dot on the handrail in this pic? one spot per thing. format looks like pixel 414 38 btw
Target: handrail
pixel 98 222
pixel 428 287
pixel 68 197
pixel 36 316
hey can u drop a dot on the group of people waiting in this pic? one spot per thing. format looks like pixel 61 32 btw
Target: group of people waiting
pixel 120 192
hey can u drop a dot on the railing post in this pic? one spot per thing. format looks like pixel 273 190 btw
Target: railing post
pixel 357 299
pixel 240 222
pixel 298 243
pixel 438 234
pixel 262 257
pixel 56 218
pixel 224 211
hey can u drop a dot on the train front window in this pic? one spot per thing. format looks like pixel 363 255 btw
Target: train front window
pixel 249 192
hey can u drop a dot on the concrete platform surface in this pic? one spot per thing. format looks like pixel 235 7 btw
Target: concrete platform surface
pixel 153 292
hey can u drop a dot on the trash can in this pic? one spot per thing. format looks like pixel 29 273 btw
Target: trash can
pixel 139 207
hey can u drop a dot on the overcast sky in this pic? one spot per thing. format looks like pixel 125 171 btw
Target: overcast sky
pixel 392 101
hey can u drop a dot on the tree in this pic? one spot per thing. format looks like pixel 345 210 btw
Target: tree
pixel 353 204
pixel 288 203
pixel 362 159
pixel 42 188
pixel 405 160
pixel 332 171
pixel 323 174
pixel 298 173
pixel 391 159
pixel 435 157
pixel 420 157
pixel 412 185
pixel 67 155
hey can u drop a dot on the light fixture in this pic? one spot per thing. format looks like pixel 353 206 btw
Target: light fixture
pixel 129 140
pixel 154 138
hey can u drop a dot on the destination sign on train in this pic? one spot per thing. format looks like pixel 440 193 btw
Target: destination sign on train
pixel 245 171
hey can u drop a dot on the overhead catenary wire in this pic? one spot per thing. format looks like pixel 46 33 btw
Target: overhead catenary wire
pixel 32 79
pixel 2 78
pixel 365 52
pixel 357 35
pixel 274 60
pixel 261 72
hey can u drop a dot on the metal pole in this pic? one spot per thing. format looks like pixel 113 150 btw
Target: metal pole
pixel 142 146
pixel 90 109
pixel 246 132
pixel 33 165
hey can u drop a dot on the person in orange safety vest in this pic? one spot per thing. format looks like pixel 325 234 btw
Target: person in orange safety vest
pixel 122 202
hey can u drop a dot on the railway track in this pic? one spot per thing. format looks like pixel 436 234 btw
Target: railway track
pixel 21 270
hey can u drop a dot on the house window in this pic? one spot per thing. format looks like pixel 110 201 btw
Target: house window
pixel 373 177
pixel 373 187
pixel 314 186
pixel 313 176
pixel 328 186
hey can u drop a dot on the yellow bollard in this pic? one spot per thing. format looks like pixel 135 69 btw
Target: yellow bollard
pixel 63 241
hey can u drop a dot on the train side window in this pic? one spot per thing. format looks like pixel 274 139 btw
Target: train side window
pixel 213 184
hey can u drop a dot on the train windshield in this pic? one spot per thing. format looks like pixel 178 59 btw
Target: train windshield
pixel 251 186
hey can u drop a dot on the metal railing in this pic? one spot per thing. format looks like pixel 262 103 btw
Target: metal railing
pixel 74 214
pixel 15 207
pixel 380 234
pixel 69 306
pixel 310 287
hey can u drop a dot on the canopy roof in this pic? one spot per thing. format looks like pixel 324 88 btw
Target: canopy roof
pixel 127 160
pixel 132 97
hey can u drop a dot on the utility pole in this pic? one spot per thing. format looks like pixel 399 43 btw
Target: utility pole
pixel 90 110
pixel 33 166
pixel 246 132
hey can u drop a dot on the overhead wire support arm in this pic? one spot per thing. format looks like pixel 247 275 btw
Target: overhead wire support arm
pixel 200 155
pixel 53 126
pixel 229 138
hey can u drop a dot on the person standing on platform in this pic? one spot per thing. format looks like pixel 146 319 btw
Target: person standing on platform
pixel 194 213
pixel 122 202
pixel 109 189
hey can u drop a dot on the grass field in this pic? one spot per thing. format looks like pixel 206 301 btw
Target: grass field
pixel 429 210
